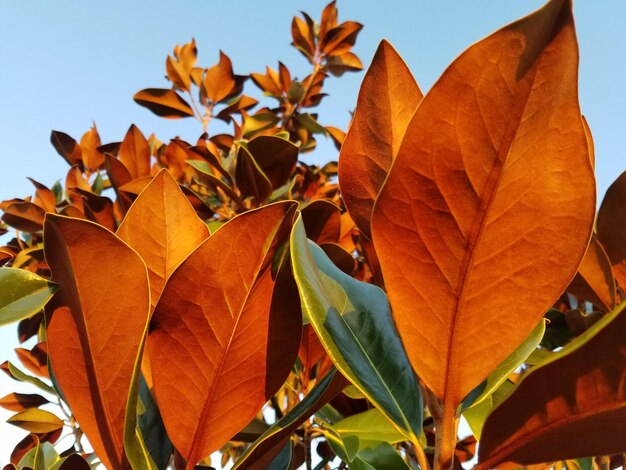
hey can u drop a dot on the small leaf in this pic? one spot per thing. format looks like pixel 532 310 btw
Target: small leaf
pixel 276 157
pixel 22 294
pixel 164 103
pixel 36 421
pixel 219 80
pixel 22 401
pixel 20 376
pixel 135 153
pixel 611 227
pixel 24 216
pixel 93 159
pixel 251 180
pixel 67 147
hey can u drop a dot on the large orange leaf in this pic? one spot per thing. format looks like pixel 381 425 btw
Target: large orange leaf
pixel 94 341
pixel 387 100
pixel 572 406
pixel 612 227
pixel 225 332
pixel 469 224
pixel 163 228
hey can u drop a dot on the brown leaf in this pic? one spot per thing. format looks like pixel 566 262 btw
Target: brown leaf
pixel 219 80
pixel 340 257
pixel 24 216
pixel 251 180
pixel 239 337
pixel 164 103
pixel 163 228
pixel 67 147
pixel 44 197
pixel 241 103
pixel 22 447
pixel 179 67
pixel 329 18
pixel 611 227
pixel 22 401
pixel 387 101
pixel 573 406
pixel 135 153
pixel 35 360
pixel 302 38
pixel 322 221
pixel 459 237
pixel 346 62
pixel 94 342
pixel 340 39
pixel 74 462
pixel 276 157
pixel 594 280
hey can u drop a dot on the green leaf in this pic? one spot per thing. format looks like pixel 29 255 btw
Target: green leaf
pixel 284 459
pixel 371 428
pixel 476 415
pixel 22 294
pixel 353 321
pixel 506 368
pixel 20 376
pixel 152 429
pixel 272 442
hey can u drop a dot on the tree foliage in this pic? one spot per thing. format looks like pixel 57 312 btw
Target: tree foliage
pixel 221 295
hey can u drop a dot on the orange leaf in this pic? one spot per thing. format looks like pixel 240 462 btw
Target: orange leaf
pixel 387 100
pixel 22 401
pixel 35 360
pixel 594 280
pixel 493 165
pixel 240 334
pixel 94 341
pixel 67 147
pixel 219 80
pixel 44 197
pixel 163 228
pixel 24 216
pixel 164 103
pixel 611 227
pixel 92 157
pixel 573 406
pixel 135 153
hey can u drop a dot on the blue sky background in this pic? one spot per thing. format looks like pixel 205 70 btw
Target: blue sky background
pixel 66 64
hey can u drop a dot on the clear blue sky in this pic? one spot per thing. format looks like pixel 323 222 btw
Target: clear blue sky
pixel 66 64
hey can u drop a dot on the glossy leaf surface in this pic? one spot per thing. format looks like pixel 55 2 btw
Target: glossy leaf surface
pixel 353 321
pixel 36 421
pixel 572 406
pixel 493 165
pixel 163 228
pixel 22 294
pixel 387 100
pixel 93 344
pixel 238 337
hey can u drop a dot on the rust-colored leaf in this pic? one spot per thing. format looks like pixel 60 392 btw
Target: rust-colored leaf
pixel 387 100
pixel 594 280
pixel 94 341
pixel 322 221
pixel 98 209
pixel 493 165
pixel 239 337
pixel 44 197
pixel 163 102
pixel 340 39
pixel 611 227
pixel 89 143
pixel 22 401
pixel 346 62
pixel 163 228
pixel 35 359
pixel 135 153
pixel 251 180
pixel 219 80
pixel 572 406
pixel 24 216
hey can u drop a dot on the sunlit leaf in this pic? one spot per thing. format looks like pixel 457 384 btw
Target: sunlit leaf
pixel 163 102
pixel 135 153
pixel 219 79
pixel 36 421
pixel 94 342
pixel 67 147
pixel 572 406
pixel 457 237
pixel 92 157
pixel 20 376
pixel 240 334
pixel 353 321
pixel 387 100
pixel 22 294
pixel 24 216
pixel 22 401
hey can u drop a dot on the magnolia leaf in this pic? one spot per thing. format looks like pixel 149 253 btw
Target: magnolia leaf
pixel 251 180
pixel 20 376
pixel 22 294
pixel 163 228
pixel 24 216
pixel 353 321
pixel 163 102
pixel 371 428
pixel 276 157
pixel 67 147
pixel 611 227
pixel 95 341
pixel 594 280
pixel 476 415
pixel 36 421
pixel 322 221
pixel 91 156
pixel 22 401
pixel 387 100
pixel 219 80
pixel 270 444
pixel 134 153
pixel 458 237
pixel 571 406
pixel 240 334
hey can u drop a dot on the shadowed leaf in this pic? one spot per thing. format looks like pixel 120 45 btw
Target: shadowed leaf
pixel 611 227
pixel 164 103
pixel 22 401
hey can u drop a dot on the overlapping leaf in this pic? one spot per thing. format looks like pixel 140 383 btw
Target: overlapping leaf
pixel 572 406
pixel 612 227
pixel 493 165
pixel 94 342
pixel 353 321
pixel 164 103
pixel 387 100
pixel 225 332
pixel 22 294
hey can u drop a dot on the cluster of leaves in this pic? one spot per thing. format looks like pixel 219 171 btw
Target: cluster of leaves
pixel 229 297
